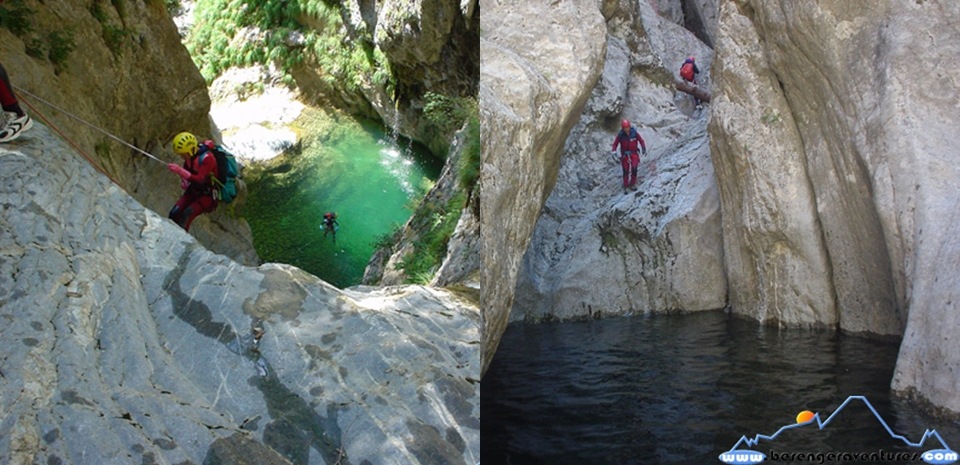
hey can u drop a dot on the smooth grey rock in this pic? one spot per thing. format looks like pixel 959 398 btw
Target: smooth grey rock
pixel 126 341
pixel 534 82
pixel 810 246
pixel 831 134
pixel 599 250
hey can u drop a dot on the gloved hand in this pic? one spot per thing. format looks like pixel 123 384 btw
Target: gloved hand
pixel 615 157
pixel 644 152
pixel 181 171
pixel 184 184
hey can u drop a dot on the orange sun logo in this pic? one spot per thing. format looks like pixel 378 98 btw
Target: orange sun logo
pixel 804 416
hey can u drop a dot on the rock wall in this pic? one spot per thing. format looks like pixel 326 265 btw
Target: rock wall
pixel 601 250
pixel 431 45
pixel 697 16
pixel 831 137
pixel 462 262
pixel 128 76
pixel 831 144
pixel 534 82
pixel 126 341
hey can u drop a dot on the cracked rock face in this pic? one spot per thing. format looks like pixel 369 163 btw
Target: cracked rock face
pixel 533 82
pixel 126 342
pixel 833 134
pixel 601 250
pixel 141 89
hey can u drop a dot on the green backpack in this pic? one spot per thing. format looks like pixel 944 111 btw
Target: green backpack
pixel 228 170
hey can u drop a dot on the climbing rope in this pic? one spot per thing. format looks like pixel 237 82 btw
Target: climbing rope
pixel 67 139
pixel 37 98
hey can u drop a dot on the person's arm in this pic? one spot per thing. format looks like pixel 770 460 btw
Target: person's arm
pixel 616 141
pixel 207 167
pixel 643 144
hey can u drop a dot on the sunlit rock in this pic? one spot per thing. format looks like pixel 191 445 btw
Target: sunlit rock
pixel 126 341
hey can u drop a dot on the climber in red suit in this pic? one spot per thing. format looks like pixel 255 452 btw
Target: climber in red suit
pixel 199 167
pixel 629 141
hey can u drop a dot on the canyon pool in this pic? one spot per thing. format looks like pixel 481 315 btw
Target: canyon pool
pixel 370 178
pixel 683 389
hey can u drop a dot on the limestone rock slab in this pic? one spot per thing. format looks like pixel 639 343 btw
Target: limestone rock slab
pixel 534 80
pixel 127 341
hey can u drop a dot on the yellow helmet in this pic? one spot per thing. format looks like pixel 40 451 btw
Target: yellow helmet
pixel 185 144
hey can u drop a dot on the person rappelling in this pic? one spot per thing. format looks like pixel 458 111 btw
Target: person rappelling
pixel 630 142
pixel 209 176
pixel 196 174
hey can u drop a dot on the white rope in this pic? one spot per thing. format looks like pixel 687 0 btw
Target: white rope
pixel 88 124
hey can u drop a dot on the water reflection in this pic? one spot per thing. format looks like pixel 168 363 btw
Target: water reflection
pixel 677 389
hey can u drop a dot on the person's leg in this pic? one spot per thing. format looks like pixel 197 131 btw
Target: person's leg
pixel 634 163
pixel 177 212
pixel 7 98
pixel 202 204
pixel 695 98
pixel 625 164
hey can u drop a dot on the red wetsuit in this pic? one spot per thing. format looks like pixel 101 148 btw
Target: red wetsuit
pixel 629 155
pixel 7 97
pixel 198 197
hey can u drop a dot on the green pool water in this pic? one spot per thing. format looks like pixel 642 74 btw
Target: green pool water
pixel 371 179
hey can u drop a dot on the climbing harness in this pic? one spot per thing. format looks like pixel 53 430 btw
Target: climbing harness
pixel 39 99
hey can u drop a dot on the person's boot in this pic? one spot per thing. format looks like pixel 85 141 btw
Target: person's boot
pixel 16 125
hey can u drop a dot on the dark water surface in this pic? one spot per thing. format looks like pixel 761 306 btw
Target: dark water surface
pixel 682 389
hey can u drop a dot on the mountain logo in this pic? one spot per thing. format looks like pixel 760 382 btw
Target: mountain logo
pixel 735 456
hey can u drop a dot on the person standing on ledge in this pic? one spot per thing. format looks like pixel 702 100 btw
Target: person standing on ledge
pixel 629 141
pixel 689 72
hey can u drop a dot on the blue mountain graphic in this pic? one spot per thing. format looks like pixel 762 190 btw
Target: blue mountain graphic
pixel 823 423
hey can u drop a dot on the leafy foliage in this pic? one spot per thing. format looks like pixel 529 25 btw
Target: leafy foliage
pixel 173 6
pixel 448 113
pixel 112 35
pixel 247 32
pixel 15 16
pixel 61 45
pixel 436 223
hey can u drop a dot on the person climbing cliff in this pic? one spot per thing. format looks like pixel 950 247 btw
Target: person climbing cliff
pixel 330 224
pixel 14 121
pixel 196 174
pixel 689 72
pixel 629 141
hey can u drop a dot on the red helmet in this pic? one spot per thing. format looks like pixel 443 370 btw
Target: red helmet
pixel 690 58
pixel 625 124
